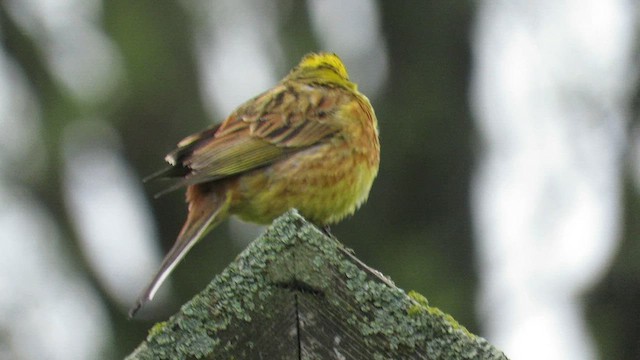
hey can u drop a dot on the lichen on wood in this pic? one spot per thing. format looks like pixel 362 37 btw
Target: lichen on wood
pixel 296 293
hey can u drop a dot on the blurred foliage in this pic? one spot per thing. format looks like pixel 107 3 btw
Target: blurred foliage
pixel 613 307
pixel 416 226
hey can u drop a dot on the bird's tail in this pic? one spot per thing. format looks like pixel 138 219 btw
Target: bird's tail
pixel 206 210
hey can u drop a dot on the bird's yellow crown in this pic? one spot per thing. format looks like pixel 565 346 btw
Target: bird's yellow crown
pixel 324 60
pixel 322 68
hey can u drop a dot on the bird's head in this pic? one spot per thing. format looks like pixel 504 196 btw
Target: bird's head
pixel 322 68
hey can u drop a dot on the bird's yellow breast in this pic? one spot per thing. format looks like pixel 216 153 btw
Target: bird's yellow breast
pixel 325 183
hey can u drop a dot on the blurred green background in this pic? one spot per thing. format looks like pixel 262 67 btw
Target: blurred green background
pixel 417 225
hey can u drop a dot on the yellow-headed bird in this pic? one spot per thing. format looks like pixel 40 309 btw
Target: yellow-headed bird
pixel 310 142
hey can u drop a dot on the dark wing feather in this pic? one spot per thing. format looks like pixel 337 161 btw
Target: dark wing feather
pixel 263 130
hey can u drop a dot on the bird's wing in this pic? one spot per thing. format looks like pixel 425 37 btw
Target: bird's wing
pixel 264 130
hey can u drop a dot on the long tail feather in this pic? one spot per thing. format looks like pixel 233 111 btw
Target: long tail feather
pixel 205 212
pixel 172 188
pixel 166 172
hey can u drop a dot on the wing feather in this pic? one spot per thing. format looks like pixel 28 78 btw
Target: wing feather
pixel 263 130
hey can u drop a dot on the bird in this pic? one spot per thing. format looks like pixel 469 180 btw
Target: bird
pixel 310 142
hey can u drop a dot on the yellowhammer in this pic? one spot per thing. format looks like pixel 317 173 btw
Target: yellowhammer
pixel 310 143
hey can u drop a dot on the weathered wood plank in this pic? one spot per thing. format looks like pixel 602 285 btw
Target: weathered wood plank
pixel 296 293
